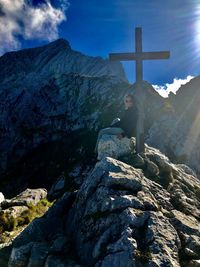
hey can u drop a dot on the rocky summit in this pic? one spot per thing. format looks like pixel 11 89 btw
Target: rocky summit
pixel 53 98
pixel 138 210
pixel 119 210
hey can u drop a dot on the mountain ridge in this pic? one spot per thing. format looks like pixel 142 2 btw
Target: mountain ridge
pixel 51 59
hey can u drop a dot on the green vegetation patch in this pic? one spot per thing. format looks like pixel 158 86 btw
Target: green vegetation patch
pixel 8 223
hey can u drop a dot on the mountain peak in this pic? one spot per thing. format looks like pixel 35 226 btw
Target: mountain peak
pixel 59 43
pixel 53 58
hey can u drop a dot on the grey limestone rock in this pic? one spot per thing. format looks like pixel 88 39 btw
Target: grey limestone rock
pixel 111 217
pixel 111 146
pixel 121 216
pixel 28 196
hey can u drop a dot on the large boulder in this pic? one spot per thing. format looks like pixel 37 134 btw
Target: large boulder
pixel 121 208
pixel 111 146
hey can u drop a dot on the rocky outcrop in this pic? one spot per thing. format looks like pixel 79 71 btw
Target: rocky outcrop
pixel 144 213
pixel 17 212
pixel 44 238
pixel 137 210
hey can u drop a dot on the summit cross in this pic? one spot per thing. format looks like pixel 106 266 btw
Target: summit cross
pixel 139 56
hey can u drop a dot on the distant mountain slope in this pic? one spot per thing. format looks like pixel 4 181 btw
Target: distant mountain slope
pixel 48 92
pixel 177 133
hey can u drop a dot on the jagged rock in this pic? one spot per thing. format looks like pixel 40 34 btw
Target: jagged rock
pixel 186 169
pixel 43 236
pixel 41 229
pixel 111 146
pixel 121 217
pixel 189 232
pixel 111 213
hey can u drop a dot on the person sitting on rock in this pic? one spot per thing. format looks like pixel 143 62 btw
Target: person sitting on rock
pixel 124 127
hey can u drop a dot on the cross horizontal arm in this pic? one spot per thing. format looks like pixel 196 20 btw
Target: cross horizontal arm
pixel 139 56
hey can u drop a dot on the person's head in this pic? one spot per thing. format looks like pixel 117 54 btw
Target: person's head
pixel 128 101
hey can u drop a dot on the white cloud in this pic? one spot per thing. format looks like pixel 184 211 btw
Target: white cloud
pixel 21 18
pixel 164 90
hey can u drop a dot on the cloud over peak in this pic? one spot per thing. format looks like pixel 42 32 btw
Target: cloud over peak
pixel 171 87
pixel 22 18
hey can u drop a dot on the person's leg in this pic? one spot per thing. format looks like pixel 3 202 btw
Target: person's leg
pixel 109 131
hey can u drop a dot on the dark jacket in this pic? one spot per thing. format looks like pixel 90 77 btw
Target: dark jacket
pixel 128 122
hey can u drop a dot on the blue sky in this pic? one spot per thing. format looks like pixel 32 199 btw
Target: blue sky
pixel 98 27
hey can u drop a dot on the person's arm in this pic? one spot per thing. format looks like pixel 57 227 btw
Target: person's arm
pixel 115 122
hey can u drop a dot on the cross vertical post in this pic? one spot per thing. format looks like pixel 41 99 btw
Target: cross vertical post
pixel 138 48
pixel 139 77
pixel 139 56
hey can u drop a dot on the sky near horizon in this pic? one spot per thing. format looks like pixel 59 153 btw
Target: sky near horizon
pixel 100 27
